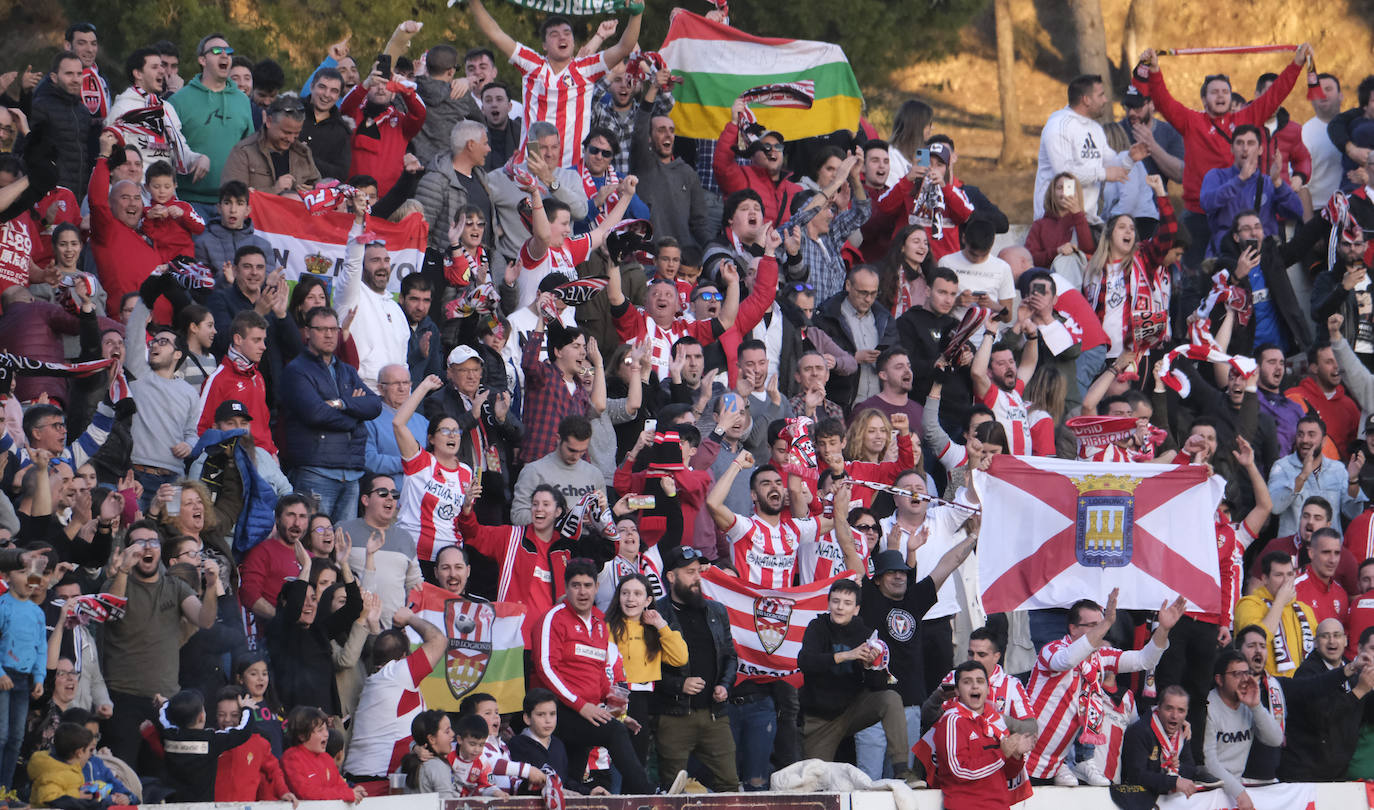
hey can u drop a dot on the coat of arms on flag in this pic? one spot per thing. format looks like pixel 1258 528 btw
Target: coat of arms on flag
pixel 468 626
pixel 1056 531
pixel 485 653
pixel 771 617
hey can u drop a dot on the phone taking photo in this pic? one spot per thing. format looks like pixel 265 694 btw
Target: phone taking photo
pixel 923 158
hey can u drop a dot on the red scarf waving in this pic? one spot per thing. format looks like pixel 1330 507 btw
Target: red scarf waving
pixel 590 189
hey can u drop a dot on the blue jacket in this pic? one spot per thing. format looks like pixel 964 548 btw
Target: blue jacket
pixel 256 518
pixel 317 434
pixel 418 364
pixel 383 454
pixel 23 639
pixel 1224 194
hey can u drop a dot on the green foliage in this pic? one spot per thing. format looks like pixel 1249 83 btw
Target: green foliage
pixel 877 35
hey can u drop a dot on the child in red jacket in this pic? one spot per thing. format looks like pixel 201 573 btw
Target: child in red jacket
pixel 311 773
pixel 248 772
pixel 172 224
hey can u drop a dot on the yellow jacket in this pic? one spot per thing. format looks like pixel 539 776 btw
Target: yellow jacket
pixel 1252 610
pixel 53 778
pixel 639 667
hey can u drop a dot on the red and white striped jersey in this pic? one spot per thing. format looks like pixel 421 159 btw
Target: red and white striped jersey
pixel 563 99
pixel 766 554
pixel 431 498
pixel 1359 536
pixel 1232 540
pixel 824 559
pixel 1009 407
pixel 563 260
pixel 1006 692
pixel 1055 699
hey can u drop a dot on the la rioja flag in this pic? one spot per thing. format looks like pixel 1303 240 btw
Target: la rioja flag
pixel 1056 531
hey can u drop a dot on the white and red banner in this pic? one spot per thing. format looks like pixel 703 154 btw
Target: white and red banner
pixel 767 623
pixel 1056 531
pixel 1281 796
pixel 294 234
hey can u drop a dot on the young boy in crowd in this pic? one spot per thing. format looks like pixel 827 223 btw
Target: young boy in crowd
pixel 59 773
pixel 536 745
pixel 312 773
pixel 23 660
pixel 496 755
pixel 247 772
pixel 230 230
pixel 472 772
pixel 96 771
pixel 171 224
pixel 191 750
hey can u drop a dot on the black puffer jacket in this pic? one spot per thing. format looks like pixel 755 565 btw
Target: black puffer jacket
pixel 61 117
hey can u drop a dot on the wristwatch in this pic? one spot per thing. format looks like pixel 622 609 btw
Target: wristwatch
pixel 554 186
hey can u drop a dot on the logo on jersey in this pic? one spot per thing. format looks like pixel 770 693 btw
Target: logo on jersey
pixel 772 615
pixel 468 626
pixel 901 625
pixel 1106 516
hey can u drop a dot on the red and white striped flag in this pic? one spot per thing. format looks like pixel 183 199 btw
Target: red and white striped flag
pixel 767 623
pixel 1056 531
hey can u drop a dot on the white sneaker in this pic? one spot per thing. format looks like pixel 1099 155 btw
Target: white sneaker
pixel 679 783
pixel 1064 776
pixel 1088 772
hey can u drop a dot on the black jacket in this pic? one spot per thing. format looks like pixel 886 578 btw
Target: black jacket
pixel 330 142
pixel 924 335
pixel 1299 695
pixel 829 689
pixel 1274 259
pixel 830 319
pixel 1321 732
pixel 60 117
pixel 1140 759
pixel 302 661
pixel 1329 298
pixel 668 696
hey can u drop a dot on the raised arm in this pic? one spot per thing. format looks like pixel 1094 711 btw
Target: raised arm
pixel 405 440
pixel 715 499
pixel 624 46
pixel 978 371
pixel 492 30
pixel 1259 513
pixel 628 184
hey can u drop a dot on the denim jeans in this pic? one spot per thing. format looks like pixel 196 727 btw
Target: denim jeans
pixel 14 711
pixel 150 483
pixel 338 498
pixel 1087 368
pixel 1050 624
pixel 753 725
pixel 870 745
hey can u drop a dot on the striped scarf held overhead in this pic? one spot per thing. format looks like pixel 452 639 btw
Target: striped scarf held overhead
pixel 1202 346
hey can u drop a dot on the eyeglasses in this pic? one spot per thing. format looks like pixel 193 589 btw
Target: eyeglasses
pixel 709 296
pixel 328 330
pixel 65 673
pixel 195 552
pixel 60 426
pixel 6 128
pixel 323 530
pixel 866 528
pixel 162 341
pixel 147 543
pixel 218 50
pixel 448 431
pixel 383 492
pixel 596 150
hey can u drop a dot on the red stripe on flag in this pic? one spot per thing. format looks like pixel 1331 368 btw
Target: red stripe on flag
pixel 1024 579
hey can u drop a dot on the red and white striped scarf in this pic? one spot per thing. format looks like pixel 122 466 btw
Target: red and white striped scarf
pixel 589 187
pixel 661 342
pixel 1202 346
pixel 1236 297
pixel 93 93
pixel 1147 308
pixel 989 721
pixel 1169 745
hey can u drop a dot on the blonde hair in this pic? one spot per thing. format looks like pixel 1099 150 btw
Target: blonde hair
pixel 405 209
pixel 854 437
pixel 170 521
pixel 1047 390
pixel 1051 201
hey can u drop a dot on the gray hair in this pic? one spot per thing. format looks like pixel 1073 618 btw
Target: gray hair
pixel 542 129
pixel 286 105
pixel 465 132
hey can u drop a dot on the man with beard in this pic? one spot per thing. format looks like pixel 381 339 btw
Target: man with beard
pixel 601 180
pixel 379 328
pixel 142 646
pixel 1164 143
pixel 894 386
pixel 268 565
pixel 1272 400
pixel 57 112
pixel 614 106
pixel 691 699
pixel 1283 697
pixel 668 185
pixel 999 382
pixel 1306 473
pixel 1344 290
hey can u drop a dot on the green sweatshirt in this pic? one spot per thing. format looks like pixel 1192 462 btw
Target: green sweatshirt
pixel 212 122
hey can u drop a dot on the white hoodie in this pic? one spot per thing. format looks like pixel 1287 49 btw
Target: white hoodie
pixel 1075 144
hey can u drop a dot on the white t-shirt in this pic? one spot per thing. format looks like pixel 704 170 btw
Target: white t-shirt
pixel 389 703
pixel 992 276
pixel 563 260
pixel 1114 307
pixel 1326 162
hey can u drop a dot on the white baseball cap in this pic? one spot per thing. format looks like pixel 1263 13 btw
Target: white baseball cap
pixel 462 354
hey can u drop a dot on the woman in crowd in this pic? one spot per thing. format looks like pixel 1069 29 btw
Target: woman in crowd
pixel 1062 239
pixel 646 642
pixel 869 452
pixel 196 325
pixel 902 283
pixel 1125 282
pixel 911 128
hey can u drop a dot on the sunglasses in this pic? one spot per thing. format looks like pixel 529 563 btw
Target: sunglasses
pixel 770 148
pixel 803 288
pixel 596 150
pixel 865 527
pixel 218 50
pixel 689 553
pixel 385 493
pixel 709 296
